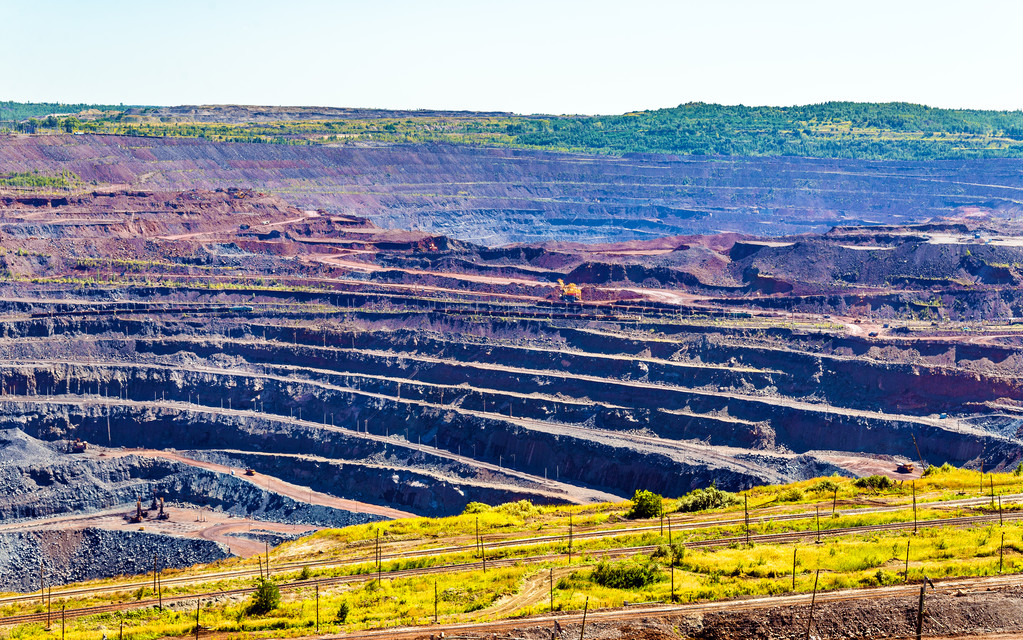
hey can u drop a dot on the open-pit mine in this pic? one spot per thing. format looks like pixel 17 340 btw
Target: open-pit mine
pixel 203 355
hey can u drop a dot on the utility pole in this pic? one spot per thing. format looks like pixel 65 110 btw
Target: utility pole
pixel 813 601
pixel 920 609
pixel 914 508
pixel 586 607
pixel 317 609
pixel 552 589
pixel 794 549
pixel 569 539
pixel 672 569
pixel 907 561
pixel 745 510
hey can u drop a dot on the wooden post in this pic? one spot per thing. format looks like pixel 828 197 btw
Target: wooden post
pixel 42 590
pixel 159 586
pixel 745 510
pixel 552 589
pixel 378 558
pixel 62 620
pixel 49 601
pixel 569 539
pixel 813 601
pixel 196 620
pixel 317 609
pixel 794 549
pixel 834 502
pixel 436 599
pixel 914 508
pixel 920 612
pixel 1001 553
pixel 672 569
pixel 586 607
pixel 907 561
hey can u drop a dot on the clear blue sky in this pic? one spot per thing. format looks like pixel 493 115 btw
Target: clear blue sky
pixel 527 56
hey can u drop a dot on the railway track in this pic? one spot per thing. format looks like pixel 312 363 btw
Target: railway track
pixel 578 533
pixel 638 613
pixel 775 538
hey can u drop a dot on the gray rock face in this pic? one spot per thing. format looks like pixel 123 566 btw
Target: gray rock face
pixel 71 556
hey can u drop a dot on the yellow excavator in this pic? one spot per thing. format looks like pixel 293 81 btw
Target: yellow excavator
pixel 570 292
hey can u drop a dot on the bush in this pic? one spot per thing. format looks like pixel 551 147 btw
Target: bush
pixel 623 575
pixel 522 508
pixel 709 498
pixel 645 504
pixel 342 613
pixel 266 598
pixel 475 507
pixel 305 574
pixel 1019 470
pixel 945 468
pixel 664 553
pixel 876 483
pixel 824 486
pixel 792 494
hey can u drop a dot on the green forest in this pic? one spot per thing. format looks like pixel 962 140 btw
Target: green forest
pixel 890 131
pixel 870 131
pixel 14 112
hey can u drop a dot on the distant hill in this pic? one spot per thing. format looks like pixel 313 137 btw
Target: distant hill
pixel 853 130
pixel 871 131
pixel 11 111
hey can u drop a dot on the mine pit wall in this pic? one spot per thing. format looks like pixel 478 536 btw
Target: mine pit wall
pixel 894 387
pixel 417 493
pixel 349 477
pixel 120 481
pixel 77 555
pixel 916 389
pixel 796 428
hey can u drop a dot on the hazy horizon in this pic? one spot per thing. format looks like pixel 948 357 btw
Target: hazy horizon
pixel 533 57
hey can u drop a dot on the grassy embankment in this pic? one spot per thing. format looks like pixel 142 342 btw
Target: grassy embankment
pixel 727 570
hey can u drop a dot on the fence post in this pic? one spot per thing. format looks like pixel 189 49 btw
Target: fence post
pixel 813 601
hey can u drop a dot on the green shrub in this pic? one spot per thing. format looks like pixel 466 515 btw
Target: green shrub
pixel 475 507
pixel 945 468
pixel 342 613
pixel 1019 470
pixel 664 553
pixel 266 598
pixel 876 483
pixel 624 575
pixel 645 504
pixel 522 508
pixel 792 494
pixel 824 486
pixel 709 498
